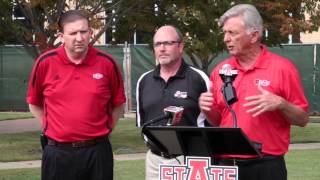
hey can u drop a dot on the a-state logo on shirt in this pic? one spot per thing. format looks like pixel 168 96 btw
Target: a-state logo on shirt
pixel 97 76
pixel 180 94
pixel 197 168
pixel 262 82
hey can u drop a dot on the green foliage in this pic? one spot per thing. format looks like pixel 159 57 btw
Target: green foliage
pixel 286 17
pixel 6 23
pixel 198 20
pixel 38 31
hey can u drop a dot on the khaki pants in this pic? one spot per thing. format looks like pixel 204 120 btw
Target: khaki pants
pixel 153 162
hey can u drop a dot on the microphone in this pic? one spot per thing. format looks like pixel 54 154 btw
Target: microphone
pixel 172 113
pixel 175 114
pixel 228 75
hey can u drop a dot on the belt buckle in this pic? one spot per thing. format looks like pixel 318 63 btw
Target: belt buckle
pixel 167 156
pixel 78 144
pixel 162 154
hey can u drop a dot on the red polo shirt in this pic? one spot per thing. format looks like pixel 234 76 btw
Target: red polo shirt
pixel 275 74
pixel 77 98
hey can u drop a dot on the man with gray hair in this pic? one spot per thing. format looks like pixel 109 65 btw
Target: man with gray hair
pixel 269 91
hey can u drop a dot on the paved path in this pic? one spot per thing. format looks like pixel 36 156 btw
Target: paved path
pixel 19 125
pixel 27 125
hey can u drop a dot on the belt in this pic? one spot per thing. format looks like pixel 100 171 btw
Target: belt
pixel 78 144
pixel 163 154
pixel 246 161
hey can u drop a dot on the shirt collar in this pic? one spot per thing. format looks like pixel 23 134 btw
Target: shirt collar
pixel 261 62
pixel 180 73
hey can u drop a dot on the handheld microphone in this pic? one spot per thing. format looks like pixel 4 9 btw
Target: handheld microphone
pixel 228 75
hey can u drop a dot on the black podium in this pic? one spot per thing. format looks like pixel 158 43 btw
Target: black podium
pixel 200 141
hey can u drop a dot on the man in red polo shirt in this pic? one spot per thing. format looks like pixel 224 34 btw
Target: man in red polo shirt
pixel 269 91
pixel 77 93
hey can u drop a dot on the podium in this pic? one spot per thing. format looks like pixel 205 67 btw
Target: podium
pixel 200 141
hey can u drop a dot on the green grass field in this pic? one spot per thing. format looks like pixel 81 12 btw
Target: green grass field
pixel 301 165
pixel 14 115
pixel 124 170
pixel 26 146
pixel 125 139
pixel 310 133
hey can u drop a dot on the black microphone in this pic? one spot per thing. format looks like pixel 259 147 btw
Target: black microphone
pixel 228 75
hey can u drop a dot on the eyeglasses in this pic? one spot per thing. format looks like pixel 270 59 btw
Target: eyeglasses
pixel 165 43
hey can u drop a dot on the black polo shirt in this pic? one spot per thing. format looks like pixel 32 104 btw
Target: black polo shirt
pixel 154 94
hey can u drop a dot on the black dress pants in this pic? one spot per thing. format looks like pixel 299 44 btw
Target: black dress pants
pixel 70 163
pixel 267 168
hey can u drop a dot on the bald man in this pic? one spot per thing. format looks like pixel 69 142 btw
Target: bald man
pixel 171 83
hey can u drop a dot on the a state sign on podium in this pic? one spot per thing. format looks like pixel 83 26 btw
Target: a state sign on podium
pixel 199 144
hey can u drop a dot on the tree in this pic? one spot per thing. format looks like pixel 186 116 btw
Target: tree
pixel 198 19
pixel 284 17
pixel 38 31
pixel 203 36
pixel 4 21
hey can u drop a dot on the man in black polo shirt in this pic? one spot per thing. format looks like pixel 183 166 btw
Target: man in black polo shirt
pixel 171 83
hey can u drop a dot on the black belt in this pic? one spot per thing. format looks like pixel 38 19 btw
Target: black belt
pixel 163 154
pixel 246 161
pixel 78 144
